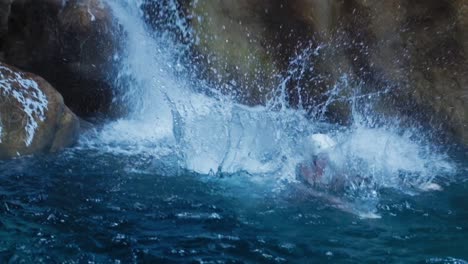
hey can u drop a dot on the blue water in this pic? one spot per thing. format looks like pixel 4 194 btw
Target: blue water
pixel 86 207
pixel 191 176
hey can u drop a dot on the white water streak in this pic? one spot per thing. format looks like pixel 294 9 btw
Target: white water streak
pixel 28 94
pixel 217 135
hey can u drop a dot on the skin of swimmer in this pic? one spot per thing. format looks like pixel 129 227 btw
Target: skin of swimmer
pixel 313 171
pixel 318 171
pixel 314 175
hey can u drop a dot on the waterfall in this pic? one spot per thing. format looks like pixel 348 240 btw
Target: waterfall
pixel 174 116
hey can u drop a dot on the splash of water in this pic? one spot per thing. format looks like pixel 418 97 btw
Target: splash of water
pixel 210 134
pixel 169 117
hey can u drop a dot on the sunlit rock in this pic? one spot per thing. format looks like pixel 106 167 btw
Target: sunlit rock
pixel 33 117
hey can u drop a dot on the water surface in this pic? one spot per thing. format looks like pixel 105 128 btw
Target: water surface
pixel 81 207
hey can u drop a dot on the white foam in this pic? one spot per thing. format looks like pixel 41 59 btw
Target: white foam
pixel 321 143
pixel 387 158
pixel 26 92
pixel 211 134
pixel 91 15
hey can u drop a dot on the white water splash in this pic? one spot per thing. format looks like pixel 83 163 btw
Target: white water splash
pixel 385 157
pixel 92 17
pixel 26 92
pixel 215 135
pixel 209 134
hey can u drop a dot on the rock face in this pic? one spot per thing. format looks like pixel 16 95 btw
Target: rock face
pixel 413 53
pixel 420 47
pixel 33 116
pixel 231 35
pixel 248 43
pixel 5 6
pixel 415 50
pixel 69 43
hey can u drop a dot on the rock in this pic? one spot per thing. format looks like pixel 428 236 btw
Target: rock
pixel 248 43
pixel 232 41
pixel 419 47
pixel 5 6
pixel 69 43
pixel 415 50
pixel 462 23
pixel 33 116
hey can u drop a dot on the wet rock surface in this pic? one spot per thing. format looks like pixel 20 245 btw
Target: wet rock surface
pixel 414 51
pixel 69 43
pixel 33 116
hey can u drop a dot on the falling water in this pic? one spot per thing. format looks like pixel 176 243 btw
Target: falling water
pixel 190 175
pixel 176 119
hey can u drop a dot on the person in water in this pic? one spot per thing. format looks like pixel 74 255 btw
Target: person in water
pixel 319 172
pixel 314 172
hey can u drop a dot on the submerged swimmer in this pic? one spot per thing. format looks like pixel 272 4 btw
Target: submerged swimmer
pixel 319 171
pixel 323 175
pixel 313 171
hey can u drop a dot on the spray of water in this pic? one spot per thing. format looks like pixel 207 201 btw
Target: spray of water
pixel 171 120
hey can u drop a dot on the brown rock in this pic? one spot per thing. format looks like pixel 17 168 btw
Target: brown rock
pixel 416 48
pixel 232 39
pixel 70 43
pixel 251 42
pixel 33 116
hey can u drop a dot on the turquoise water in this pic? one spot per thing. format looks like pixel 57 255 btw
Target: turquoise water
pixel 128 193
pixel 88 207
